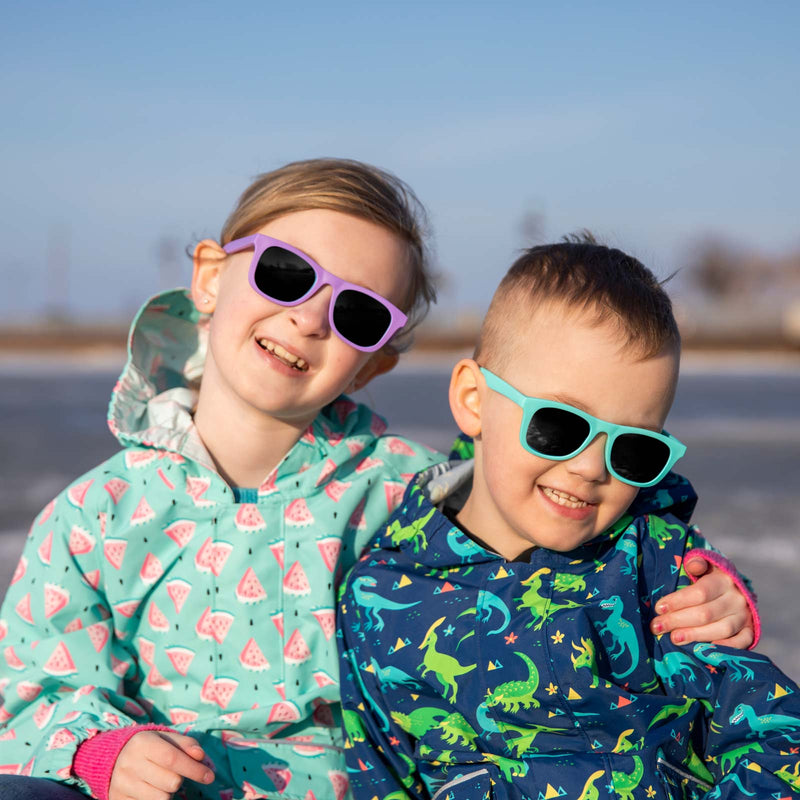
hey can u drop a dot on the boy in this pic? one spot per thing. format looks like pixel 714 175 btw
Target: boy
pixel 500 646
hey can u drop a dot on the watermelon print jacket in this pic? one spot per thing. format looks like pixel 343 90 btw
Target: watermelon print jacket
pixel 147 594
pixel 469 677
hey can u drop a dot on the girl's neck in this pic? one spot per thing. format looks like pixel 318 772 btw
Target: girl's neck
pixel 244 443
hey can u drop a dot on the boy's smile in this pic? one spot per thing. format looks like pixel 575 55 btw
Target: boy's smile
pixel 519 499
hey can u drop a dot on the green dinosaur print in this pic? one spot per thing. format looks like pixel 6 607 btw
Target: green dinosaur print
pixel 624 745
pixel 586 659
pixel 728 760
pixel 672 710
pixel 373 603
pixel 513 694
pixel 420 720
pixel 510 767
pixel 663 531
pixel 736 664
pixel 567 582
pixel 445 667
pixel 791 777
pixel 590 792
pixel 625 783
pixel 456 730
pixel 541 608
pixel 622 633
pixel 353 726
pixel 525 735
pixel 410 533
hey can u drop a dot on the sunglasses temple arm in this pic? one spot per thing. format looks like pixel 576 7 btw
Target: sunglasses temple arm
pixel 241 244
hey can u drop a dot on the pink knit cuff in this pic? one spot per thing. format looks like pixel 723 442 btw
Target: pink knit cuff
pixel 730 570
pixel 95 758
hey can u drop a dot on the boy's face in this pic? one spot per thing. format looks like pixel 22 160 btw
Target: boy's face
pixel 518 499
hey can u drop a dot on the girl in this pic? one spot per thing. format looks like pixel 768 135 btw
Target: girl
pixel 187 583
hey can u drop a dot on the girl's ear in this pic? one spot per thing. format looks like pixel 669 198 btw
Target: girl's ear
pixel 378 364
pixel 465 396
pixel 208 260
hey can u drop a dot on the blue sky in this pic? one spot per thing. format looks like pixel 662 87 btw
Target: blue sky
pixel 125 124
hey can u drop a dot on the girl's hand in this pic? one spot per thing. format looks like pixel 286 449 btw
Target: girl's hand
pixel 711 610
pixel 153 764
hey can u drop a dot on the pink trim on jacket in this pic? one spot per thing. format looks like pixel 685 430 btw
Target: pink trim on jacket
pixel 730 570
pixel 95 758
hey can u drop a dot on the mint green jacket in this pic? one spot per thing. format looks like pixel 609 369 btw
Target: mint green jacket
pixel 146 593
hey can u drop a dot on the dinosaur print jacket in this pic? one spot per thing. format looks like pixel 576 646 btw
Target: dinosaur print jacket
pixel 468 677
pixel 148 593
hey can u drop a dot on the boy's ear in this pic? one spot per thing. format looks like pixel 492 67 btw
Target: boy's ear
pixel 208 260
pixel 465 396
pixel 378 364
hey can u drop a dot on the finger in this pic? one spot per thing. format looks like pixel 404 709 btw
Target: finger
pixel 172 759
pixel 185 743
pixel 742 641
pixel 697 566
pixel 132 787
pixel 716 631
pixel 707 588
pixel 724 608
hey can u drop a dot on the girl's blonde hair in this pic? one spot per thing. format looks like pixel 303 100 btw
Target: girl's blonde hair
pixel 351 187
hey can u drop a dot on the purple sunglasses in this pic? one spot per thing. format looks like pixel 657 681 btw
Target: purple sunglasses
pixel 286 276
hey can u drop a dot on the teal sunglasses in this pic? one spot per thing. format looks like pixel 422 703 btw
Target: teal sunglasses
pixel 557 431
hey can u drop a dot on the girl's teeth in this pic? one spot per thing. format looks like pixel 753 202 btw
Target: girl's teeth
pixel 282 354
pixel 564 499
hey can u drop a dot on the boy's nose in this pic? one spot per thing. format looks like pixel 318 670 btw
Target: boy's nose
pixel 311 316
pixel 590 464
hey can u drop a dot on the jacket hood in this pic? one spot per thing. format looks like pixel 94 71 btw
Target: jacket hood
pixel 155 396
pixel 419 527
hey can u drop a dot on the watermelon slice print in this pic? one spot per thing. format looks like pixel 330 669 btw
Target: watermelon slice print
pixel 377 425
pixel 114 551
pixel 368 463
pixel 102 518
pixel 118 667
pixel 151 570
pixel 399 447
pixel 277 621
pixel 280 777
pixel 323 679
pixel 147 651
pixel 181 531
pixel 75 625
pixel 28 690
pixel 219 556
pixel 61 738
pixel 47 512
pixel 296 650
pixel 77 494
pixel 55 598
pixel 182 716
pixel 60 661
pixel 22 566
pixel 358 521
pixel 285 711
pixel 344 408
pixel 268 486
pixel 304 746
pixel 339 782
pixel 354 445
pixel 394 494
pixel 138 459
pixel 248 519
pixel 329 548
pixel 157 619
pixel 98 635
pixel 297 514
pixel 328 468
pixel 3 629
pixel 157 680
pixel 46 548
pixel 127 608
pixel 196 488
pixel 249 588
pixel 178 590
pixel 219 691
pixel 117 487
pixel 181 658
pixel 143 513
pixel 277 550
pixel 165 480
pixel 93 578
pixel 335 489
pixel 12 659
pixel 295 581
pixel 23 609
pixel 252 657
pixel 327 620
pixel 44 714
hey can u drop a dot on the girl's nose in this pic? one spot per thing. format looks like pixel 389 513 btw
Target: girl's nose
pixel 590 464
pixel 311 316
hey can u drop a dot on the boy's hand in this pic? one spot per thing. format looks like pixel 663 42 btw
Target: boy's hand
pixel 153 764
pixel 711 610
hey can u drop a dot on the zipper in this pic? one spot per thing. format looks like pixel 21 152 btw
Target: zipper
pixel 460 779
pixel 684 774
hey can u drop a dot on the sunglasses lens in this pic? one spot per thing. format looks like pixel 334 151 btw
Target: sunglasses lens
pixel 360 319
pixel 555 432
pixel 283 275
pixel 638 458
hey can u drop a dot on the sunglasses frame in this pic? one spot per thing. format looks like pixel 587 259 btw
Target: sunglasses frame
pixel 261 243
pixel 530 405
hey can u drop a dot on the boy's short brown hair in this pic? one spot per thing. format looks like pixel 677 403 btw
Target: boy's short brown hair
pixel 355 188
pixel 588 277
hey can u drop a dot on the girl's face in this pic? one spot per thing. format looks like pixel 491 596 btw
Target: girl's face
pixel 286 362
